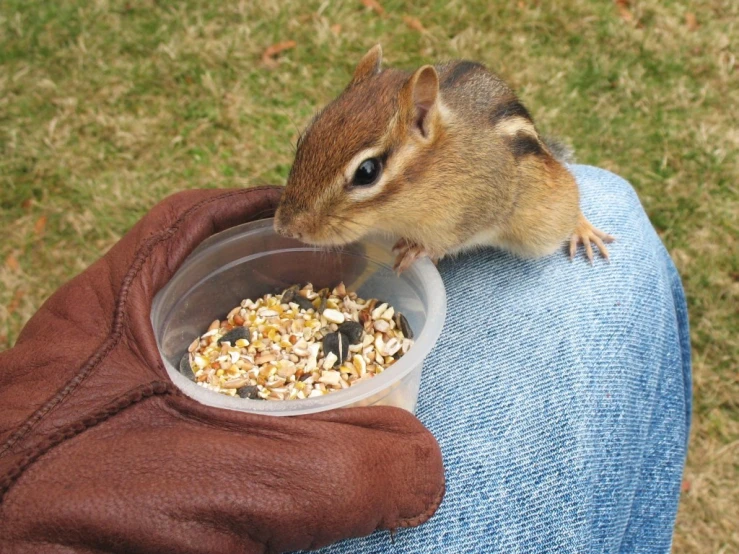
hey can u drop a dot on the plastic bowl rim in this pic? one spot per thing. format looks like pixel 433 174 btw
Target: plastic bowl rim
pixel 424 341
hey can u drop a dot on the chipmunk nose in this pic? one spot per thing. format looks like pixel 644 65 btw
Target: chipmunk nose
pixel 287 226
pixel 290 233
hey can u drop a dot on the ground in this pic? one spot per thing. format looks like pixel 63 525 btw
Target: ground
pixel 107 107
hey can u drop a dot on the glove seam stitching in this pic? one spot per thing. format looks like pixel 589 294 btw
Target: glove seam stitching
pixel 426 515
pixel 71 430
pixel 117 327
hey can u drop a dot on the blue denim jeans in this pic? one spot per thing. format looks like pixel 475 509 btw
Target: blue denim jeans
pixel 560 395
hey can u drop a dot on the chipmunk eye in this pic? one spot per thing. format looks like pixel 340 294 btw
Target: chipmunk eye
pixel 368 172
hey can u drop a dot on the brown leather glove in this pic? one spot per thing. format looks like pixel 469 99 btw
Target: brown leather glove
pixel 100 453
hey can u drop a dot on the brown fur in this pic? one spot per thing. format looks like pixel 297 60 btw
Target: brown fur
pixel 468 166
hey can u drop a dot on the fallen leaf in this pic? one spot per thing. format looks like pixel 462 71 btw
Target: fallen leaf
pixel 12 262
pixel 272 51
pixel 414 23
pixel 623 10
pixel 521 5
pixel 691 21
pixel 336 29
pixel 686 486
pixel 15 302
pixel 374 5
pixel 26 205
pixel 40 225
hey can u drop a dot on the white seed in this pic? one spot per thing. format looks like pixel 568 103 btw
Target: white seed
pixel 330 360
pixel 264 358
pixel 215 325
pixel 360 365
pixel 381 325
pixel 391 347
pixel 287 371
pixel 406 345
pixel 312 355
pixel 334 316
pixel 330 378
pixel 193 345
pixel 379 343
pixel 236 383
pixel 378 311
pixel 388 314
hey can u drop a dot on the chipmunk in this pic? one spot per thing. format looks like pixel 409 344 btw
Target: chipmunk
pixel 445 159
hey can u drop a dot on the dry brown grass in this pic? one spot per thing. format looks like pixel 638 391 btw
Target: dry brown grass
pixel 106 107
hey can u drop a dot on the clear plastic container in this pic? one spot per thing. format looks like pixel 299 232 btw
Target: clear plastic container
pixel 251 260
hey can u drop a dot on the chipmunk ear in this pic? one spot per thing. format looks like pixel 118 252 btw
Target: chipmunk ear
pixel 369 65
pixel 421 93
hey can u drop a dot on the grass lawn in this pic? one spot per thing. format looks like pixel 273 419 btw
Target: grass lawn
pixel 106 107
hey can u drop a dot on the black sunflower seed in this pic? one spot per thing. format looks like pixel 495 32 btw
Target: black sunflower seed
pixel 323 294
pixel 403 325
pixel 249 392
pixel 186 368
pixel 352 330
pixel 290 294
pixel 303 303
pixel 235 334
pixel 338 344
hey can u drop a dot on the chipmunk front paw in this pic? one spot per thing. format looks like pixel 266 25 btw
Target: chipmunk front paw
pixel 407 253
pixel 585 233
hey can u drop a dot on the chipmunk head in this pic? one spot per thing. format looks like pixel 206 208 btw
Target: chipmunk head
pixel 356 154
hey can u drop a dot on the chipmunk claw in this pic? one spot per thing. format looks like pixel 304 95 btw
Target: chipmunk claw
pixel 407 253
pixel 586 234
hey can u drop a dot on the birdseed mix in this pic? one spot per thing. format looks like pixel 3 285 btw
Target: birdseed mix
pixel 298 344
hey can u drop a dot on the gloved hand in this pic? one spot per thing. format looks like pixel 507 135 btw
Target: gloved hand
pixel 99 452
